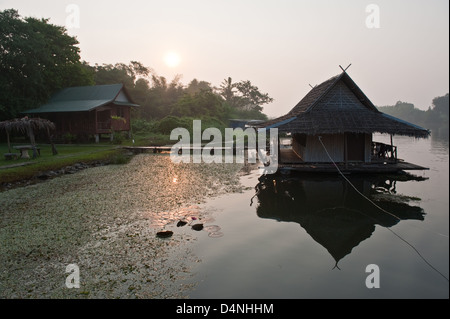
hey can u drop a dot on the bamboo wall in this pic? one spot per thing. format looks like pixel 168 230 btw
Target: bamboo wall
pixel 309 148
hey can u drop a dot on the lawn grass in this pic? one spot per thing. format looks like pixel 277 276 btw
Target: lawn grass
pixel 67 155
pixel 149 139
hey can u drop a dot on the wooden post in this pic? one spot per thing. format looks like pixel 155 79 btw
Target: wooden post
pixel 96 125
pixel 9 143
pixel 32 140
pixel 392 148
pixel 345 151
pixel 279 149
pixel 54 151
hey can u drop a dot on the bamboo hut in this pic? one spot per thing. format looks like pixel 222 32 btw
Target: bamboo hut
pixel 335 122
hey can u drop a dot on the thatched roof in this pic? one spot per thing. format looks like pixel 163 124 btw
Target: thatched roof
pixel 28 126
pixel 338 106
pixel 21 125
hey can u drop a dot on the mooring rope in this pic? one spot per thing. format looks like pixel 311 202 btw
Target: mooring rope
pixel 383 210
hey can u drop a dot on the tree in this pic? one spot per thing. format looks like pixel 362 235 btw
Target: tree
pixel 243 95
pixel 226 90
pixel 437 116
pixel 251 97
pixel 196 86
pixel 441 105
pixel 405 111
pixel 128 74
pixel 134 76
pixel 203 103
pixel 163 95
pixel 36 59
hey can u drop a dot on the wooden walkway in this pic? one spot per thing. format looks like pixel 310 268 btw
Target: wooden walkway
pixel 144 149
pixel 161 149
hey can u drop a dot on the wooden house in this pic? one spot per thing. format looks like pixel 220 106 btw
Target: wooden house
pixel 334 123
pixel 88 110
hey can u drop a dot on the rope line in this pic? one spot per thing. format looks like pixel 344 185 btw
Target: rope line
pixel 383 210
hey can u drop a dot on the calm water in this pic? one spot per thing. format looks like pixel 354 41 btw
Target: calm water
pixel 313 236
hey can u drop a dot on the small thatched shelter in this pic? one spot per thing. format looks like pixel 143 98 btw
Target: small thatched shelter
pixel 344 118
pixel 28 126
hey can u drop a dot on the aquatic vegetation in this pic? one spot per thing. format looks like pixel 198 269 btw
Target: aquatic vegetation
pixel 105 220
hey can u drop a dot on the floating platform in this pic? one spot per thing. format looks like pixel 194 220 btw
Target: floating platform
pixel 289 161
pixel 350 167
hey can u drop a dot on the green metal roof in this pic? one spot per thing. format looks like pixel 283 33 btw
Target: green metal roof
pixel 83 98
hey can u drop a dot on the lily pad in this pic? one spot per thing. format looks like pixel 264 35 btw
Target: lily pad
pixel 215 234
pixel 212 228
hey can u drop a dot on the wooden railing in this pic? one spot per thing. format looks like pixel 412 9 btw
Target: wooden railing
pixel 384 152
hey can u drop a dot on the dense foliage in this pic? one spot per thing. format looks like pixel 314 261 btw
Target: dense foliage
pixel 159 98
pixel 435 118
pixel 36 59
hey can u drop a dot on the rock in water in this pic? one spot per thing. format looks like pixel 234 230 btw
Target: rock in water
pixel 164 234
pixel 197 227
pixel 181 223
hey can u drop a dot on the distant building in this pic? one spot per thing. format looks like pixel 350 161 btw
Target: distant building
pixel 89 110
pixel 238 123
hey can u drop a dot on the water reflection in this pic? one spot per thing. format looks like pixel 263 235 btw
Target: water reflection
pixel 331 211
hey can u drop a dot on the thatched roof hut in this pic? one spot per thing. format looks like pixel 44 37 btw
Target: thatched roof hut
pixel 337 106
pixel 21 125
pixel 338 115
pixel 27 126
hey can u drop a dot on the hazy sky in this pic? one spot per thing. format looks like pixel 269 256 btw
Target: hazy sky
pixel 281 46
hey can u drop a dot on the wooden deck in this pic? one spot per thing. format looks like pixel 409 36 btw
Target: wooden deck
pixel 290 161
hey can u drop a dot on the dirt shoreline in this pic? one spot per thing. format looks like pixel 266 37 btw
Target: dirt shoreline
pixel 45 175
pixel 104 220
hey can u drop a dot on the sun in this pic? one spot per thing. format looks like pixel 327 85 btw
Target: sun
pixel 172 59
